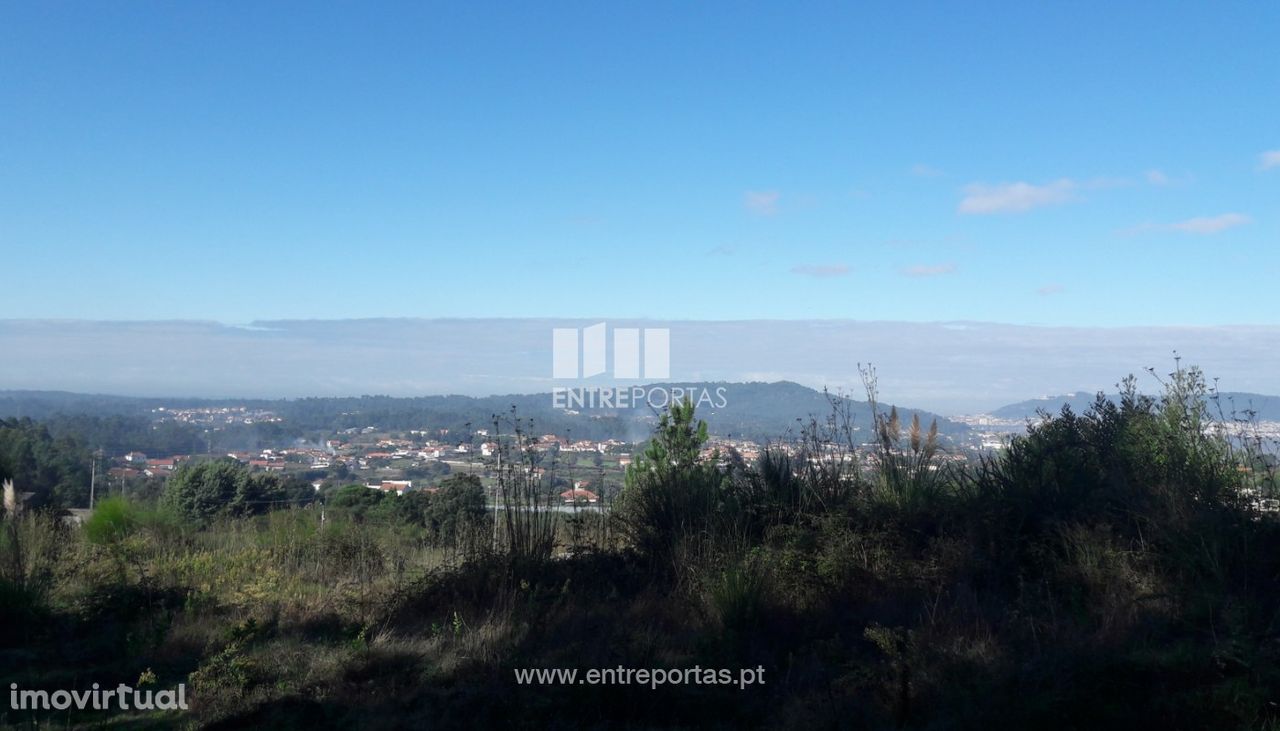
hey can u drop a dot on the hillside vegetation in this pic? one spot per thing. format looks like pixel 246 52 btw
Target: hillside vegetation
pixel 119 424
pixel 1109 569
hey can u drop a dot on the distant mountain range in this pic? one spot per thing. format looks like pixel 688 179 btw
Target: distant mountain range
pixel 1237 403
pixel 948 367
pixel 758 411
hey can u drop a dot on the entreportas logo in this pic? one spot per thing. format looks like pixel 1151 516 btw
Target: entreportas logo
pixel 626 352
pixel 580 354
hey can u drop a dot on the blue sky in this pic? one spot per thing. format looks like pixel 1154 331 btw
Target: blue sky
pixel 1090 164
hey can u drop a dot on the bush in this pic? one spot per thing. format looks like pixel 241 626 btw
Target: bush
pixel 737 596
pixel 671 493
pixel 113 519
pixel 30 548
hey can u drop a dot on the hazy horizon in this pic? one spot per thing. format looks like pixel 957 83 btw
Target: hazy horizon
pixel 948 367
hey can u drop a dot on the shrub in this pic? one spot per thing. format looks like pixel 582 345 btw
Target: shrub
pixel 30 547
pixel 909 477
pixel 671 493
pixel 528 525
pixel 737 595
pixel 113 519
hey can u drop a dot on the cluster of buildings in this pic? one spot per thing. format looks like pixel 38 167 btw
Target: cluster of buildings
pixel 380 460
pixel 215 415
pixel 391 462
pixel 136 465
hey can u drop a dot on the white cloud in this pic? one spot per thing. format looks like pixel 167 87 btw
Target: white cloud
pixel 1210 224
pixel 929 270
pixel 980 198
pixel 1049 289
pixel 761 202
pixel 1199 225
pixel 1269 159
pixel 1161 179
pixel 821 271
pixel 920 170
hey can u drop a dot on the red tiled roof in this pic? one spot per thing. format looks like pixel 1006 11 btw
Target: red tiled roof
pixel 578 493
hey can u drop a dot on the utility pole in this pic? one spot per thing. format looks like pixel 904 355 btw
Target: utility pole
pixel 498 437
pixel 471 440
pixel 93 476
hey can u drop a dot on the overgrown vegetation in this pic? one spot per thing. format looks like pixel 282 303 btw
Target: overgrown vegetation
pixel 1108 569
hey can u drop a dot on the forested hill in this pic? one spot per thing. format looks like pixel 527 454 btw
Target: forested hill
pixel 748 410
pixel 1234 404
